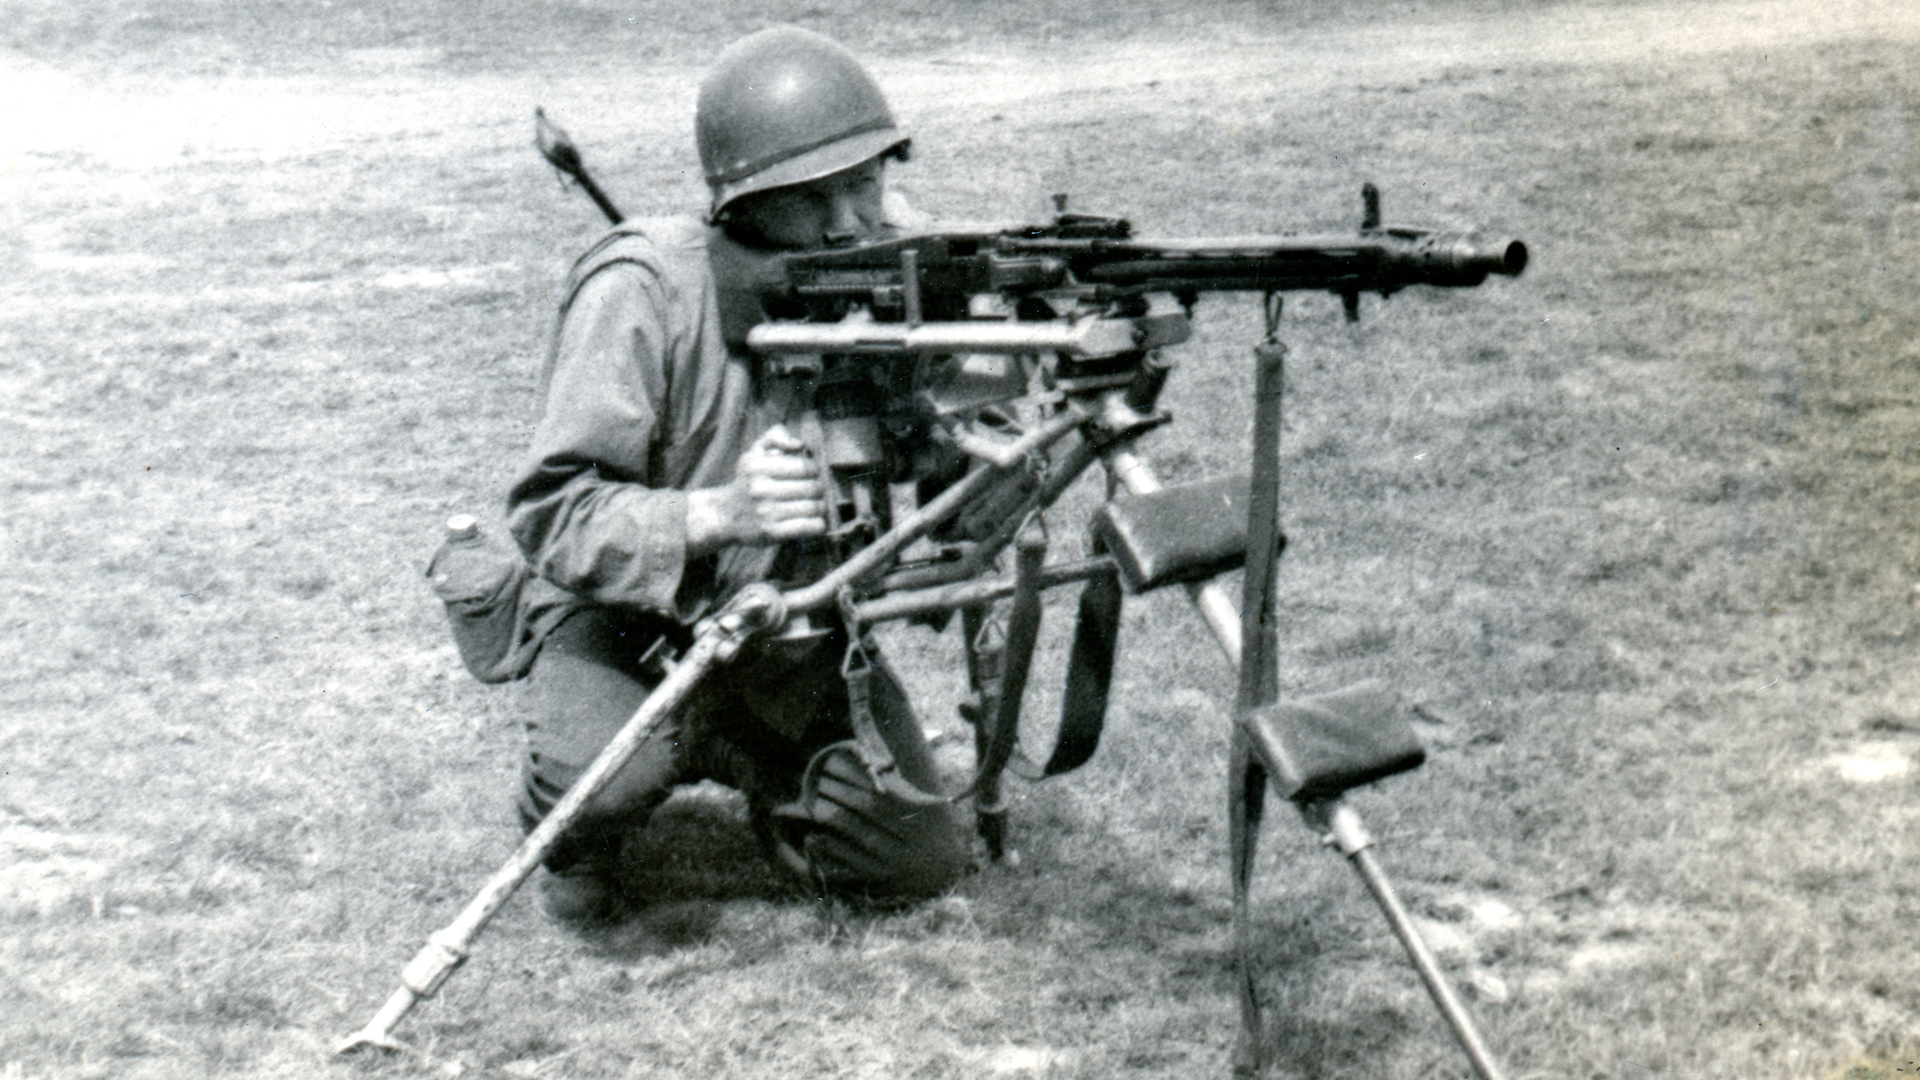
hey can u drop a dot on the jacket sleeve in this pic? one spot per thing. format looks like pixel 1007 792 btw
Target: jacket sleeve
pixel 582 510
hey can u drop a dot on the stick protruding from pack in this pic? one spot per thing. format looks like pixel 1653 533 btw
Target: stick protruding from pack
pixel 557 147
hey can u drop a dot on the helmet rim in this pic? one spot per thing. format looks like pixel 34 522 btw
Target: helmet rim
pixel 839 154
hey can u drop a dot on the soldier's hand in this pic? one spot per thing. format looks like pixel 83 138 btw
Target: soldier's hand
pixel 782 483
pixel 775 495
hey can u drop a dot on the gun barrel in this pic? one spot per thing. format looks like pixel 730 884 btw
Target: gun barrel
pixel 1107 264
pixel 1386 260
pixel 1472 260
pixel 1513 259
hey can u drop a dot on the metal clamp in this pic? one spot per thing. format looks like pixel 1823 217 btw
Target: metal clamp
pixel 755 608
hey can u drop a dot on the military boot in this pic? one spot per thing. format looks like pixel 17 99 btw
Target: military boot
pixel 586 894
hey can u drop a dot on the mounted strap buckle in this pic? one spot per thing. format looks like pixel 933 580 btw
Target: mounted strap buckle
pixel 868 744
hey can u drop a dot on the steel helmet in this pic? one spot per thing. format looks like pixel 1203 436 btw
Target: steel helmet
pixel 785 106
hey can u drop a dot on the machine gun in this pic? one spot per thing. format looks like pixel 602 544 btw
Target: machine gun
pixel 1088 259
pixel 1019 358
pixel 1079 307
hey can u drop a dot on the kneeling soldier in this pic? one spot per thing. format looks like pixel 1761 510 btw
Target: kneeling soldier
pixel 661 476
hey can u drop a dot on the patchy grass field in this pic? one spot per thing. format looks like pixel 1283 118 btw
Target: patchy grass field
pixel 1637 530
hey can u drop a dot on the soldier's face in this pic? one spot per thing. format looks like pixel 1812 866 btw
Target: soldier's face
pixel 844 208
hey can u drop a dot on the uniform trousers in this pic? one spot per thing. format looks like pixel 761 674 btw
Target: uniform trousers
pixel 772 725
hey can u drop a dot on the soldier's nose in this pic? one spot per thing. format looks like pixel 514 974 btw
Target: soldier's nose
pixel 843 223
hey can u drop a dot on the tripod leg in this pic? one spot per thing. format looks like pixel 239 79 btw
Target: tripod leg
pixel 448 948
pixel 1345 832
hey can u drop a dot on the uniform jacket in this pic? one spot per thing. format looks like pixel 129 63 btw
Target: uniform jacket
pixel 648 392
pixel 641 399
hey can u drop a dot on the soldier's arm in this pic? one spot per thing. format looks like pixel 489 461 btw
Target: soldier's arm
pixel 582 510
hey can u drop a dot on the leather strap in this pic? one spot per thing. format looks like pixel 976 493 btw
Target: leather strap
pixel 1083 708
pixel 868 744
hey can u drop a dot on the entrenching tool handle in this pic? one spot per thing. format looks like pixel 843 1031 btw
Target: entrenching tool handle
pixel 557 147
pixel 448 948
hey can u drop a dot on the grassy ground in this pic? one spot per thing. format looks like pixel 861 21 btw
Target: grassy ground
pixel 1637 530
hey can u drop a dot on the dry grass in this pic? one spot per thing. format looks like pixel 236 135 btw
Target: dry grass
pixel 1637 529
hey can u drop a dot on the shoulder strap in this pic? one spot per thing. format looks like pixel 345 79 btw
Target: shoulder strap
pixel 644 241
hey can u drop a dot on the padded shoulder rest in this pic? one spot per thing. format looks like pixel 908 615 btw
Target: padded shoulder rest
pixel 1185 532
pixel 1317 747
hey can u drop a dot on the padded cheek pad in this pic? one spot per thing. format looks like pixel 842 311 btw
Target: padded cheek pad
pixel 1183 532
